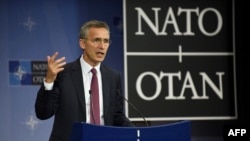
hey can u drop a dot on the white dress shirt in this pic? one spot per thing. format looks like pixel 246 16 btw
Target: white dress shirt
pixel 87 76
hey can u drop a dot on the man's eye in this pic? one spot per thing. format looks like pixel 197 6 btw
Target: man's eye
pixel 106 40
pixel 97 40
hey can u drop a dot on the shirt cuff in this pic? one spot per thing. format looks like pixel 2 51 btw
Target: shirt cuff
pixel 48 86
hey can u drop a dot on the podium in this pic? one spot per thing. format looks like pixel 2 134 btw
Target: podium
pixel 179 131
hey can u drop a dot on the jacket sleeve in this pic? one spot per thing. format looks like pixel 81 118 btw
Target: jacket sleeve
pixel 47 102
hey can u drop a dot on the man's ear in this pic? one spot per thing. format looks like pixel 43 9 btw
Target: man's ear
pixel 82 43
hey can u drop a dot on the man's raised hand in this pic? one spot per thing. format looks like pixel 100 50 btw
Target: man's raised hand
pixel 54 67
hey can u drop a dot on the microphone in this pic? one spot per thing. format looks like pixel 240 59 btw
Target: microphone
pixel 132 105
pixel 91 107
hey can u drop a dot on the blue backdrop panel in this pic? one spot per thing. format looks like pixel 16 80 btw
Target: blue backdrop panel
pixel 31 30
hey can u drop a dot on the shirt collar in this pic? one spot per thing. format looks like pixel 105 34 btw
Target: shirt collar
pixel 86 68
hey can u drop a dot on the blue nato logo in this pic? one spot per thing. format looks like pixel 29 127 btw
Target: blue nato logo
pixel 25 72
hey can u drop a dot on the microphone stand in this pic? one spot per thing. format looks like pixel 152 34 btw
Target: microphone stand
pixel 146 122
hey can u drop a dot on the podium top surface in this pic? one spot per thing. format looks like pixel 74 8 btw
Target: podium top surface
pixel 178 131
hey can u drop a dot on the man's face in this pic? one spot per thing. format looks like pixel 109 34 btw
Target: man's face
pixel 95 45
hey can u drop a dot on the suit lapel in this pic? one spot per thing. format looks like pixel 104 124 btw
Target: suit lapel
pixel 106 89
pixel 78 83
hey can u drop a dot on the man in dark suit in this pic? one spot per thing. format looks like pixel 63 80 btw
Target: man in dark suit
pixel 66 91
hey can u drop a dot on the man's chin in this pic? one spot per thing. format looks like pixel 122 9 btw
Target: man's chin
pixel 100 59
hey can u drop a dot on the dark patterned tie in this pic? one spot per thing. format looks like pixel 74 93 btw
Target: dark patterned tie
pixel 95 107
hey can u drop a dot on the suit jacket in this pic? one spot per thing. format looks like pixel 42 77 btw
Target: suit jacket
pixel 66 101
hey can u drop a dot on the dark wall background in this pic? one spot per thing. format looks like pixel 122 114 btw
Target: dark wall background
pixel 210 129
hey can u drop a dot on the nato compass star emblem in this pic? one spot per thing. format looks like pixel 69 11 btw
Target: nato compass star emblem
pixel 29 23
pixel 31 123
pixel 20 72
